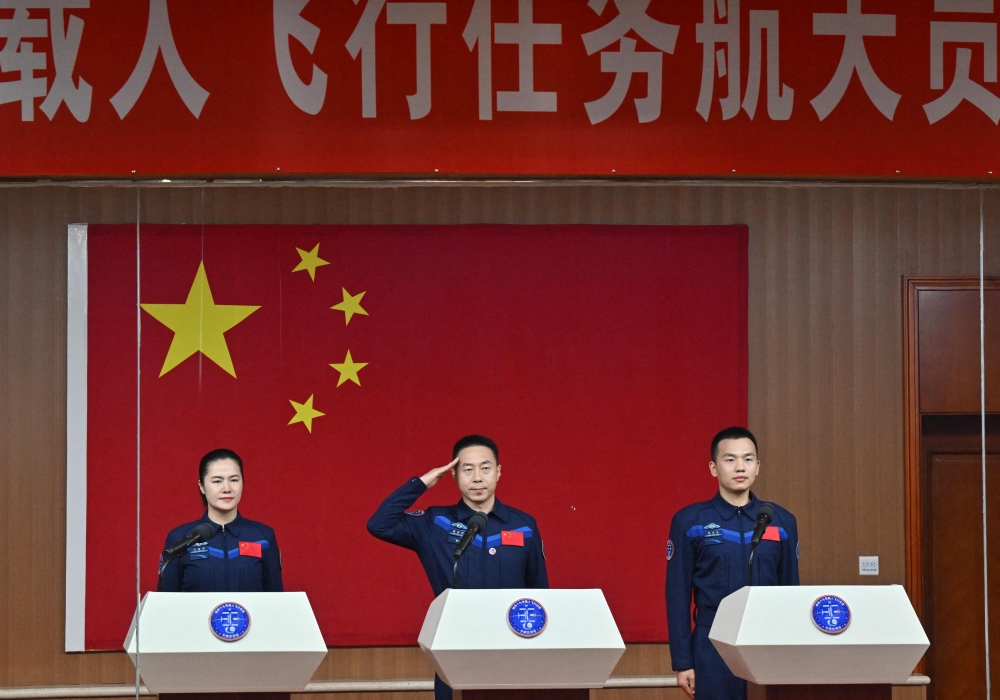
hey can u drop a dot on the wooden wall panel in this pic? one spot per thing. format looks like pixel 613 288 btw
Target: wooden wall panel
pixel 825 358
pixel 949 350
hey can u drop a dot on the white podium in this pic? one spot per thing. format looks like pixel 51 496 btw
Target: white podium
pixel 178 652
pixel 467 637
pixel 767 635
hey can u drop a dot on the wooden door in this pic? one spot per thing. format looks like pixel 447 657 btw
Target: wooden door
pixel 941 391
pixel 958 658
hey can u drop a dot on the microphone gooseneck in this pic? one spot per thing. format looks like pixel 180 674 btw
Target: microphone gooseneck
pixel 476 524
pixel 765 514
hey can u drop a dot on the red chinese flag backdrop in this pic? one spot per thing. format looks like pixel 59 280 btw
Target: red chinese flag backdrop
pixel 601 358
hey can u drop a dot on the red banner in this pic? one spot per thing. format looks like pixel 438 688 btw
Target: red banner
pixel 507 87
pixel 340 361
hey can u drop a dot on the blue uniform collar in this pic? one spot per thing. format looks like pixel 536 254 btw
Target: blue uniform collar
pixel 234 527
pixel 499 510
pixel 728 510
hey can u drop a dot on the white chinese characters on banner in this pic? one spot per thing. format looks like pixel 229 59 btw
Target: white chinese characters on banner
pixel 780 97
pixel 362 42
pixel 18 56
pixel 479 33
pixel 526 34
pixel 421 15
pixel 289 24
pixel 854 27
pixel 626 62
pixel 972 6
pixel 159 40
pixel 726 61
pixel 962 86
pixel 29 79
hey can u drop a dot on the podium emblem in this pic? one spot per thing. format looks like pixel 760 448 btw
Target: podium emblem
pixel 229 621
pixel 831 614
pixel 526 617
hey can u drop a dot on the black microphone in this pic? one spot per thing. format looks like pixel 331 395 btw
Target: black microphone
pixel 765 514
pixel 200 534
pixel 476 524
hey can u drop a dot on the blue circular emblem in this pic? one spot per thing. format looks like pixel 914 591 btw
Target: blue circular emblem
pixel 831 614
pixel 670 550
pixel 229 621
pixel 526 617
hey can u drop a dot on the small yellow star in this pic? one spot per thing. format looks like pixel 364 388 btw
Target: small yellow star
pixel 310 261
pixel 349 369
pixel 350 305
pixel 304 413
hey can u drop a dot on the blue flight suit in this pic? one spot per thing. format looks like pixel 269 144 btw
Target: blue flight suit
pixel 434 533
pixel 218 565
pixel 707 556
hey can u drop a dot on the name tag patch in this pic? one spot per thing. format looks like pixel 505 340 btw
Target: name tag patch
pixel 198 551
pixel 455 533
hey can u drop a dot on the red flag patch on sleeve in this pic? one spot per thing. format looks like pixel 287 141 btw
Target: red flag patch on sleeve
pixel 250 549
pixel 771 533
pixel 512 538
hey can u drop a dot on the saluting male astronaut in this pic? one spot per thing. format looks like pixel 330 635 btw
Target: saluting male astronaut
pixel 508 554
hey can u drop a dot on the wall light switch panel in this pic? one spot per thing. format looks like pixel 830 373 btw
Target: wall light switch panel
pixel 868 566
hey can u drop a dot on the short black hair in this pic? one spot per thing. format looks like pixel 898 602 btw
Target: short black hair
pixel 476 441
pixel 215 456
pixel 732 433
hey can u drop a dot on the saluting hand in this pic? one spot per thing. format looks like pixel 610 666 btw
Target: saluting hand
pixel 431 477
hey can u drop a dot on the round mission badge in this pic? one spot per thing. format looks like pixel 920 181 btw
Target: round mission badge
pixel 229 621
pixel 526 617
pixel 831 614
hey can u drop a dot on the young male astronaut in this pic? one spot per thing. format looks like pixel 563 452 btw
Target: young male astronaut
pixel 707 559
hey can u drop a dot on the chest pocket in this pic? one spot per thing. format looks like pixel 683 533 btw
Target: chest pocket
pixel 447 539
pixel 199 576
pixel 251 574
pixel 713 557
pixel 766 559
pixel 513 565
pixel 714 548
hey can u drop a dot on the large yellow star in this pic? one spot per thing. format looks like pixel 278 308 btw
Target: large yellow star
pixel 310 261
pixel 304 413
pixel 198 325
pixel 349 369
pixel 350 305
